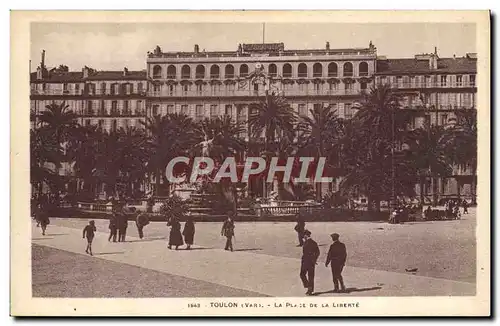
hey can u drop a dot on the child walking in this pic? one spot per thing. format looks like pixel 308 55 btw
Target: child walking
pixel 89 232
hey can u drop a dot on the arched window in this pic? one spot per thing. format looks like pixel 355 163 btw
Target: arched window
pixel 302 70
pixel 229 71
pixel 287 70
pixel 200 72
pixel 171 72
pixel 332 70
pixel 156 72
pixel 348 71
pixel 185 72
pixel 214 71
pixel 273 70
pixel 363 69
pixel 243 70
pixel 317 70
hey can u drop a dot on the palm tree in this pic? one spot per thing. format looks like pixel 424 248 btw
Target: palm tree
pixel 273 117
pixel 59 121
pixel 461 143
pixel 226 142
pixel 225 135
pixel 83 148
pixel 43 153
pixel 375 167
pixel 321 133
pixel 133 158
pixel 428 149
pixel 168 137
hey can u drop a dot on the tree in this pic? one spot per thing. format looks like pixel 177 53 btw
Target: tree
pixel 321 133
pixel 168 137
pixel 224 135
pixel 274 118
pixel 133 157
pixel 83 151
pixel 59 122
pixel 461 143
pixel 428 149
pixel 44 153
pixel 376 168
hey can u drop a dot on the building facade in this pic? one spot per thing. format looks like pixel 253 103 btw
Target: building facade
pixel 204 84
pixel 108 99
pixel 435 89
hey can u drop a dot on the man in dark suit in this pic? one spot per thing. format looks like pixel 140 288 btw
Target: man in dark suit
pixel 310 254
pixel 337 256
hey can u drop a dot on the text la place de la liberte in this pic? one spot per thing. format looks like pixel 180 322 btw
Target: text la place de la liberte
pixel 229 304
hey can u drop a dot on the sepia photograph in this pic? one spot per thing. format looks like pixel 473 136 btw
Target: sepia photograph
pixel 250 165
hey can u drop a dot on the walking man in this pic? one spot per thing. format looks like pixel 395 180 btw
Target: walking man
pixel 337 256
pixel 228 231
pixel 299 228
pixel 310 254
pixel 141 221
pixel 466 207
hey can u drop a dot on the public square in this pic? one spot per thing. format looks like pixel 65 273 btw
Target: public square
pixel 266 260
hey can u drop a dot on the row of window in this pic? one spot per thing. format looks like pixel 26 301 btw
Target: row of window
pixel 229 71
pixel 91 88
pixel 216 88
pixel 114 125
pixel 241 114
pixel 423 81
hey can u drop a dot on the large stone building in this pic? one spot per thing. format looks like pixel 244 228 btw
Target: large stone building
pixel 435 88
pixel 205 84
pixel 109 99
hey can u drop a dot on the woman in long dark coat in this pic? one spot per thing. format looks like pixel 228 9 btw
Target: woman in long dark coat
pixel 175 238
pixel 188 232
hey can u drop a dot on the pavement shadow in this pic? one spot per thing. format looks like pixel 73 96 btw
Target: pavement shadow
pixel 249 249
pixel 351 290
pixel 147 240
pixel 56 234
pixel 198 248
pixel 109 253
pixel 44 238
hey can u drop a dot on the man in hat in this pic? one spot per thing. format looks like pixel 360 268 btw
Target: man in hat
pixel 310 254
pixel 337 256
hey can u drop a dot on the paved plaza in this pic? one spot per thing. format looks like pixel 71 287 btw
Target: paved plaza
pixel 266 260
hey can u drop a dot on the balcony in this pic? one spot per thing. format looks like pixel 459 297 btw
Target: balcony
pixel 172 76
pixel 200 76
pixel 214 76
pixel 363 73
pixel 348 74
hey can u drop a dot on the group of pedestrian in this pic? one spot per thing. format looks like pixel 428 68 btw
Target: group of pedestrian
pixel 451 210
pixel 118 223
pixel 336 258
pixel 175 237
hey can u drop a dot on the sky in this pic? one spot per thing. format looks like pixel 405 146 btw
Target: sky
pixel 113 46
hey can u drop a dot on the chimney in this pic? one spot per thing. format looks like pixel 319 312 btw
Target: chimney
pixel 39 74
pixel 125 71
pixel 196 48
pixel 42 63
pixel 85 71
pixel 328 45
pixel 433 62
pixel 435 50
